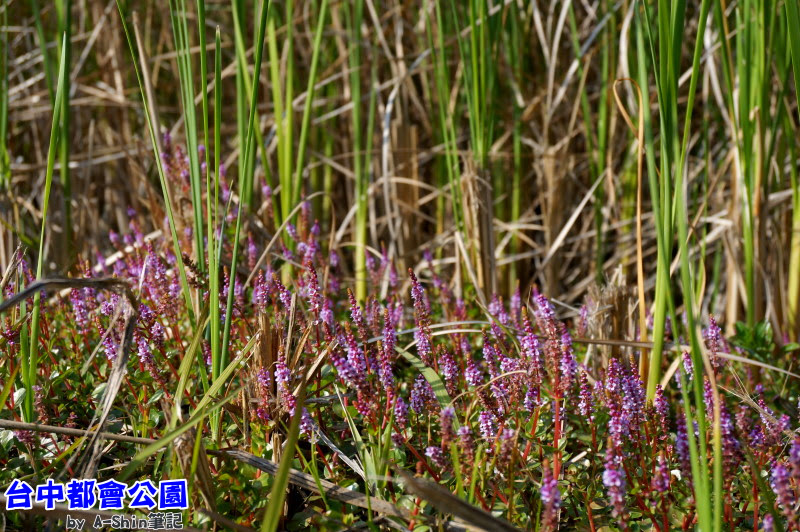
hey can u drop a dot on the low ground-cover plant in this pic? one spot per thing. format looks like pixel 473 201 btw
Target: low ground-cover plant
pixel 506 406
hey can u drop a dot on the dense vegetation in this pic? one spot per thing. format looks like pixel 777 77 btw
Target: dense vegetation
pixel 439 265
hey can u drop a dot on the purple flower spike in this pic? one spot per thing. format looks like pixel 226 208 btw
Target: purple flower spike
pixel 583 322
pixel 715 342
pixel 682 447
pixel 781 485
pixel 260 292
pixel 282 376
pixel 437 457
pixel 400 413
pixel 614 481
pixel 314 293
pixel 546 316
pixel 551 500
pixel 586 406
pixel 688 367
pixel 385 368
pixel 422 396
pixel 487 425
pixel 473 374
pixel 422 334
pixel 498 310
pixel 446 419
pixel 661 478
pixel 449 369
pixel 661 408
pixel 306 424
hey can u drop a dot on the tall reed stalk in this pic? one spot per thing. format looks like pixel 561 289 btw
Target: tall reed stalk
pixel 478 51
pixel 354 16
pixel 180 29
pixel 669 21
pixel 5 157
pixel 793 297
pixel 64 12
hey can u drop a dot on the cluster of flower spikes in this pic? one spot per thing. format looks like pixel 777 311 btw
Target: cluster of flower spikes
pixel 272 298
pixel 139 264
pixel 785 482
pixel 634 429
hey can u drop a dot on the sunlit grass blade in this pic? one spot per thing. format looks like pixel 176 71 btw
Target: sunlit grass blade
pixel 793 25
pixel 180 29
pixel 309 101
pixel 5 157
pixel 176 247
pixel 243 178
pixel 64 11
pixel 31 362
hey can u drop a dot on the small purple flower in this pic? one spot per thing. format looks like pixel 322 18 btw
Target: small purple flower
pixel 263 378
pixel 355 357
pixel 326 314
pixel 490 356
pixel 613 384
pixel 252 253
pixel 794 459
pixel 634 400
pixel 343 367
pixel 568 365
pixel 467 446
pixel 284 295
pixel 145 355
pixel 515 305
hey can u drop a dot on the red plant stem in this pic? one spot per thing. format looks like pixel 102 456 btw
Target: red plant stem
pixel 422 461
pixel 589 514
pixel 641 503
pixel 414 512
pixel 556 435
pixel 530 442
pixel 755 502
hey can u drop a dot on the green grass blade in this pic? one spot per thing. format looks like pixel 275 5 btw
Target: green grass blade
pixel 29 369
